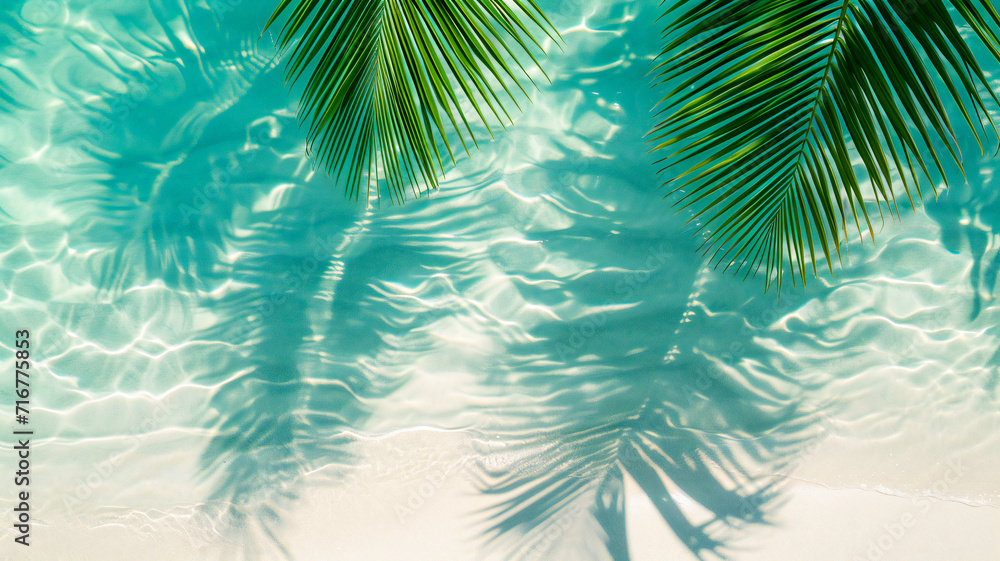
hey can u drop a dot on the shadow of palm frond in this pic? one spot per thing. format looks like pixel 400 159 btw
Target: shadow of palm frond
pixel 700 422
pixel 15 42
pixel 969 217
pixel 15 36
pixel 179 178
pixel 297 396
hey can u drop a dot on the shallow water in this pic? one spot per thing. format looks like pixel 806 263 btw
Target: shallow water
pixel 233 361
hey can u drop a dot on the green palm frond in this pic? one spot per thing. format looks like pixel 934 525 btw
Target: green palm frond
pixel 388 78
pixel 774 101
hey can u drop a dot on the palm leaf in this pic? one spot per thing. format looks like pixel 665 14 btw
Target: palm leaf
pixel 387 78
pixel 789 95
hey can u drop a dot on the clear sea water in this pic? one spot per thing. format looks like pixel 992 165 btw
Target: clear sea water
pixel 232 361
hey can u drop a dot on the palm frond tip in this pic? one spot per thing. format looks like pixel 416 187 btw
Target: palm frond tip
pixel 786 94
pixel 383 77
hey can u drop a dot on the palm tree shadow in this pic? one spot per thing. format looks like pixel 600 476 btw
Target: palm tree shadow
pixel 712 425
pixel 301 389
pixel 14 38
pixel 649 378
pixel 969 217
pixel 204 190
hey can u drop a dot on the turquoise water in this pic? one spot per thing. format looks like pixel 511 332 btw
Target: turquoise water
pixel 533 362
